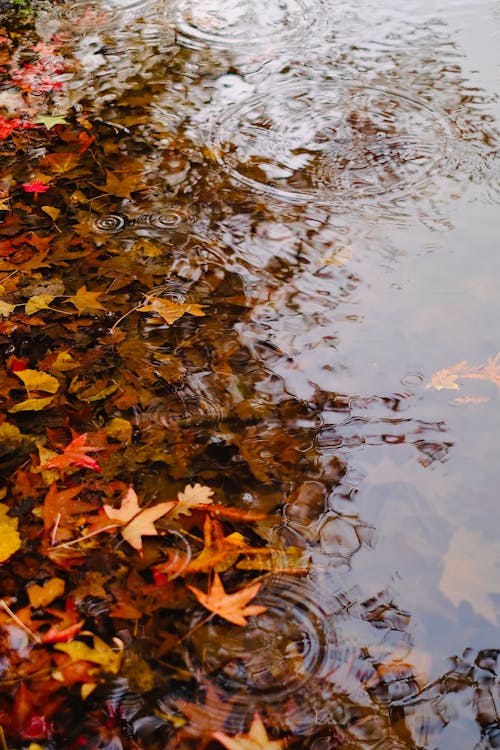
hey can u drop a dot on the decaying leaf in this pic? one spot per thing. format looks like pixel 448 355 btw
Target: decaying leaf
pixel 219 552
pixel 232 607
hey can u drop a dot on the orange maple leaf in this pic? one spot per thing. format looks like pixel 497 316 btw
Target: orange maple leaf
pixel 75 454
pixel 135 521
pixel 256 739
pixel 232 607
pixel 220 552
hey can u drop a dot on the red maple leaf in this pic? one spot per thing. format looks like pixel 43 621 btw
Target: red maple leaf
pixel 35 187
pixel 75 454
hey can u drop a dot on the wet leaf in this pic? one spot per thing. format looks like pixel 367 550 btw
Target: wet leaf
pixel 192 497
pixel 136 522
pixel 85 301
pixel 219 552
pixel 38 381
pixel 10 541
pixel 51 211
pixel 256 739
pixel 170 311
pixel 41 596
pixel 38 302
pixel 121 184
pixel 6 309
pixel 447 377
pixel 75 454
pixel 231 607
pixel 31 404
pixel 48 121
pixel 100 653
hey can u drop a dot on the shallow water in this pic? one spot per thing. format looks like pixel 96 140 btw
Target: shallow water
pixel 325 175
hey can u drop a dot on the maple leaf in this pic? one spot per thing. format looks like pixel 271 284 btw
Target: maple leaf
pixel 231 607
pixel 192 497
pixel 256 739
pixel 75 454
pixel 490 371
pixel 48 121
pixel 60 162
pixel 35 187
pixel 136 522
pixel 123 187
pixel 170 311
pixel 85 301
pixel 220 552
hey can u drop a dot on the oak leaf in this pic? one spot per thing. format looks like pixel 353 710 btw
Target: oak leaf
pixel 170 311
pixel 75 454
pixel 256 739
pixel 192 497
pixel 85 301
pixel 136 522
pixel 231 607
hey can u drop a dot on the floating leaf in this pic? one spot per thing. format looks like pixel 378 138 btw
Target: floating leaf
pixel 38 302
pixel 256 739
pixel 193 496
pixel 219 552
pixel 136 522
pixel 48 121
pixel 170 311
pixel 31 404
pixel 75 454
pixel 107 658
pixel 38 381
pixel 447 377
pixel 10 541
pixel 85 301
pixel 232 607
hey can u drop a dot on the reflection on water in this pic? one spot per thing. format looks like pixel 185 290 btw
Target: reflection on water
pixel 323 179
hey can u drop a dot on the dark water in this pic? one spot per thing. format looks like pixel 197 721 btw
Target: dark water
pixel 329 171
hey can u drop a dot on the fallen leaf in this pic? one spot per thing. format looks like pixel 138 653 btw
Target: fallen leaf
pixel 102 654
pixel 10 541
pixel 232 607
pixel 256 739
pixel 38 302
pixel 31 404
pixel 193 496
pixel 447 377
pixel 170 311
pixel 219 552
pixel 85 301
pixel 121 184
pixel 51 211
pixel 48 121
pixel 136 522
pixel 38 381
pixel 35 187
pixel 75 454
pixel 6 309
pixel 41 596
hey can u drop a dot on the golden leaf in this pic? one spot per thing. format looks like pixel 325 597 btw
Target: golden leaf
pixel 232 607
pixel 107 658
pixel 31 404
pixel 40 596
pixel 170 311
pixel 6 308
pixel 38 381
pixel 85 301
pixel 10 541
pixel 256 739
pixel 38 302
pixel 52 211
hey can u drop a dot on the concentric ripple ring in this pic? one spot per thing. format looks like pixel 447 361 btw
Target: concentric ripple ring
pixel 332 141
pixel 223 25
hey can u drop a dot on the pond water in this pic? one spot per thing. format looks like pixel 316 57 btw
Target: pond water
pixel 323 179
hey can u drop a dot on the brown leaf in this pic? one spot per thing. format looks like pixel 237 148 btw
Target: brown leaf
pixel 170 311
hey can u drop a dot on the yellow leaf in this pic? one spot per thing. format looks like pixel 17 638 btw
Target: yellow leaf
pixel 85 301
pixel 38 381
pixel 52 211
pixel 40 596
pixel 102 654
pixel 256 739
pixel 38 302
pixel 31 404
pixel 6 308
pixel 170 311
pixel 120 429
pixel 10 541
pixel 64 362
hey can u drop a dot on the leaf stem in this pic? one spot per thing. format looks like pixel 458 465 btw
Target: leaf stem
pixel 19 623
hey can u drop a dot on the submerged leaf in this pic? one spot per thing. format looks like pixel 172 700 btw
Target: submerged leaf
pixel 256 739
pixel 170 311
pixel 232 607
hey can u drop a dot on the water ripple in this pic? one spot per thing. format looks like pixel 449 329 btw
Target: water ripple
pixel 246 23
pixel 332 142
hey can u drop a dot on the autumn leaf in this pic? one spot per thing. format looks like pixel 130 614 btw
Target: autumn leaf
pixel 170 311
pixel 61 162
pixel 6 308
pixel 136 522
pixel 38 381
pixel 41 596
pixel 38 302
pixel 100 653
pixel 75 454
pixel 447 377
pixel 192 497
pixel 85 301
pixel 256 739
pixel 10 541
pixel 121 185
pixel 31 404
pixel 48 121
pixel 35 187
pixel 232 607
pixel 219 552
